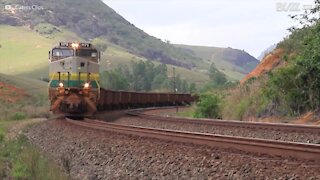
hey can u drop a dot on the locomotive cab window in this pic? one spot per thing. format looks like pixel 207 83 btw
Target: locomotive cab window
pixel 62 52
pixel 87 53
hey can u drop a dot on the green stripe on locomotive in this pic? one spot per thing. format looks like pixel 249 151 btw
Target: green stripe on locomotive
pixel 74 80
pixel 73 83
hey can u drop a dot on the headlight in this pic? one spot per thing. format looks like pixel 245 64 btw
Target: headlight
pixel 86 85
pixel 61 84
pixel 75 45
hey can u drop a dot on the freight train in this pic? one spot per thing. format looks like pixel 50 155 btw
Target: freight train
pixel 74 88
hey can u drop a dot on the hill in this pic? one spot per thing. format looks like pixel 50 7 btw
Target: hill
pixel 234 63
pixel 22 98
pixel 24 52
pixel 266 52
pixel 91 19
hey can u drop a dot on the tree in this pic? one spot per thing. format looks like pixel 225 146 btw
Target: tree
pixel 158 81
pixel 184 86
pixel 217 78
pixel 192 88
pixel 114 80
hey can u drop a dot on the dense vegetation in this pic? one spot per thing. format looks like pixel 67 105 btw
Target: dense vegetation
pixel 296 87
pixel 145 76
pixel 289 90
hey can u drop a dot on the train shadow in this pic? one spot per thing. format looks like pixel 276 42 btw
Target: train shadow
pixel 76 118
pixel 111 116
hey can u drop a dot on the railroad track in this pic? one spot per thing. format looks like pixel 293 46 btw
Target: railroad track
pixel 270 147
pixel 230 123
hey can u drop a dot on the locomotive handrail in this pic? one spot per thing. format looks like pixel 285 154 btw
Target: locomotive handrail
pixel 50 80
pixel 95 79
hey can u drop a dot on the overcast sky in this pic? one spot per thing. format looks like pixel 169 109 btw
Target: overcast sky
pixel 249 24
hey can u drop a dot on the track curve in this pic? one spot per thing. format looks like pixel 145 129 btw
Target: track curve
pixel 271 147
pixel 231 123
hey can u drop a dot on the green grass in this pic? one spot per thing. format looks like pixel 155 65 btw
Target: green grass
pixel 20 160
pixel 24 53
pixel 184 112
pixel 219 56
pixel 22 50
pixel 3 130
pixel 32 86
pixel 34 104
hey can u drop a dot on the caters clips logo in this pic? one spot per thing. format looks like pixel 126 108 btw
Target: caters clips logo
pixel 22 7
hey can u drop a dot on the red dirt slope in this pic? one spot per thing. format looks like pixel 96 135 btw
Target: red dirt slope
pixel 11 94
pixel 268 63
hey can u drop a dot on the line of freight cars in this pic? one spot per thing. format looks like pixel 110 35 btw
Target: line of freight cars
pixel 110 99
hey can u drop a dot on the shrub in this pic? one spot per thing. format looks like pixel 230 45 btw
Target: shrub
pixel 1 137
pixel 19 115
pixel 209 106
pixel 46 29
pixel 26 162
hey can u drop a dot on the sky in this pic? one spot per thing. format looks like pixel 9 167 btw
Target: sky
pixel 249 25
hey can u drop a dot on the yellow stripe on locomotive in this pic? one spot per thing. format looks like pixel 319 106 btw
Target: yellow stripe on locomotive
pixel 74 79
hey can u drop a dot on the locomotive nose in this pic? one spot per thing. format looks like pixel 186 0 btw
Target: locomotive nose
pixel 73 104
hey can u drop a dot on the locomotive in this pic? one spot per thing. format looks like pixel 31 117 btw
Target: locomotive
pixel 74 78
pixel 74 88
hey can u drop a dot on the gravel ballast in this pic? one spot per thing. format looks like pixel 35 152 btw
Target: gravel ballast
pixel 92 154
pixel 304 137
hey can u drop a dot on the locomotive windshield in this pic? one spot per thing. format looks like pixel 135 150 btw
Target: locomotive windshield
pixel 86 53
pixel 68 49
pixel 62 52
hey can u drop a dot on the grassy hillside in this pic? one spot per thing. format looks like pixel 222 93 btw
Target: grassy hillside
pixel 31 86
pixel 22 98
pixel 24 52
pixel 233 62
pixel 91 19
pixel 24 47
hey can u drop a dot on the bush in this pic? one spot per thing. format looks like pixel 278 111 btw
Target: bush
pixel 1 137
pixel 100 44
pixel 46 29
pixel 26 162
pixel 19 115
pixel 209 106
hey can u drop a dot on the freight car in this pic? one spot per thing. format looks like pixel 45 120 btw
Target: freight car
pixel 110 100
pixel 74 88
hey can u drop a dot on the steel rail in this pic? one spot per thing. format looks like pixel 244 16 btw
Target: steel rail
pixel 233 123
pixel 261 146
